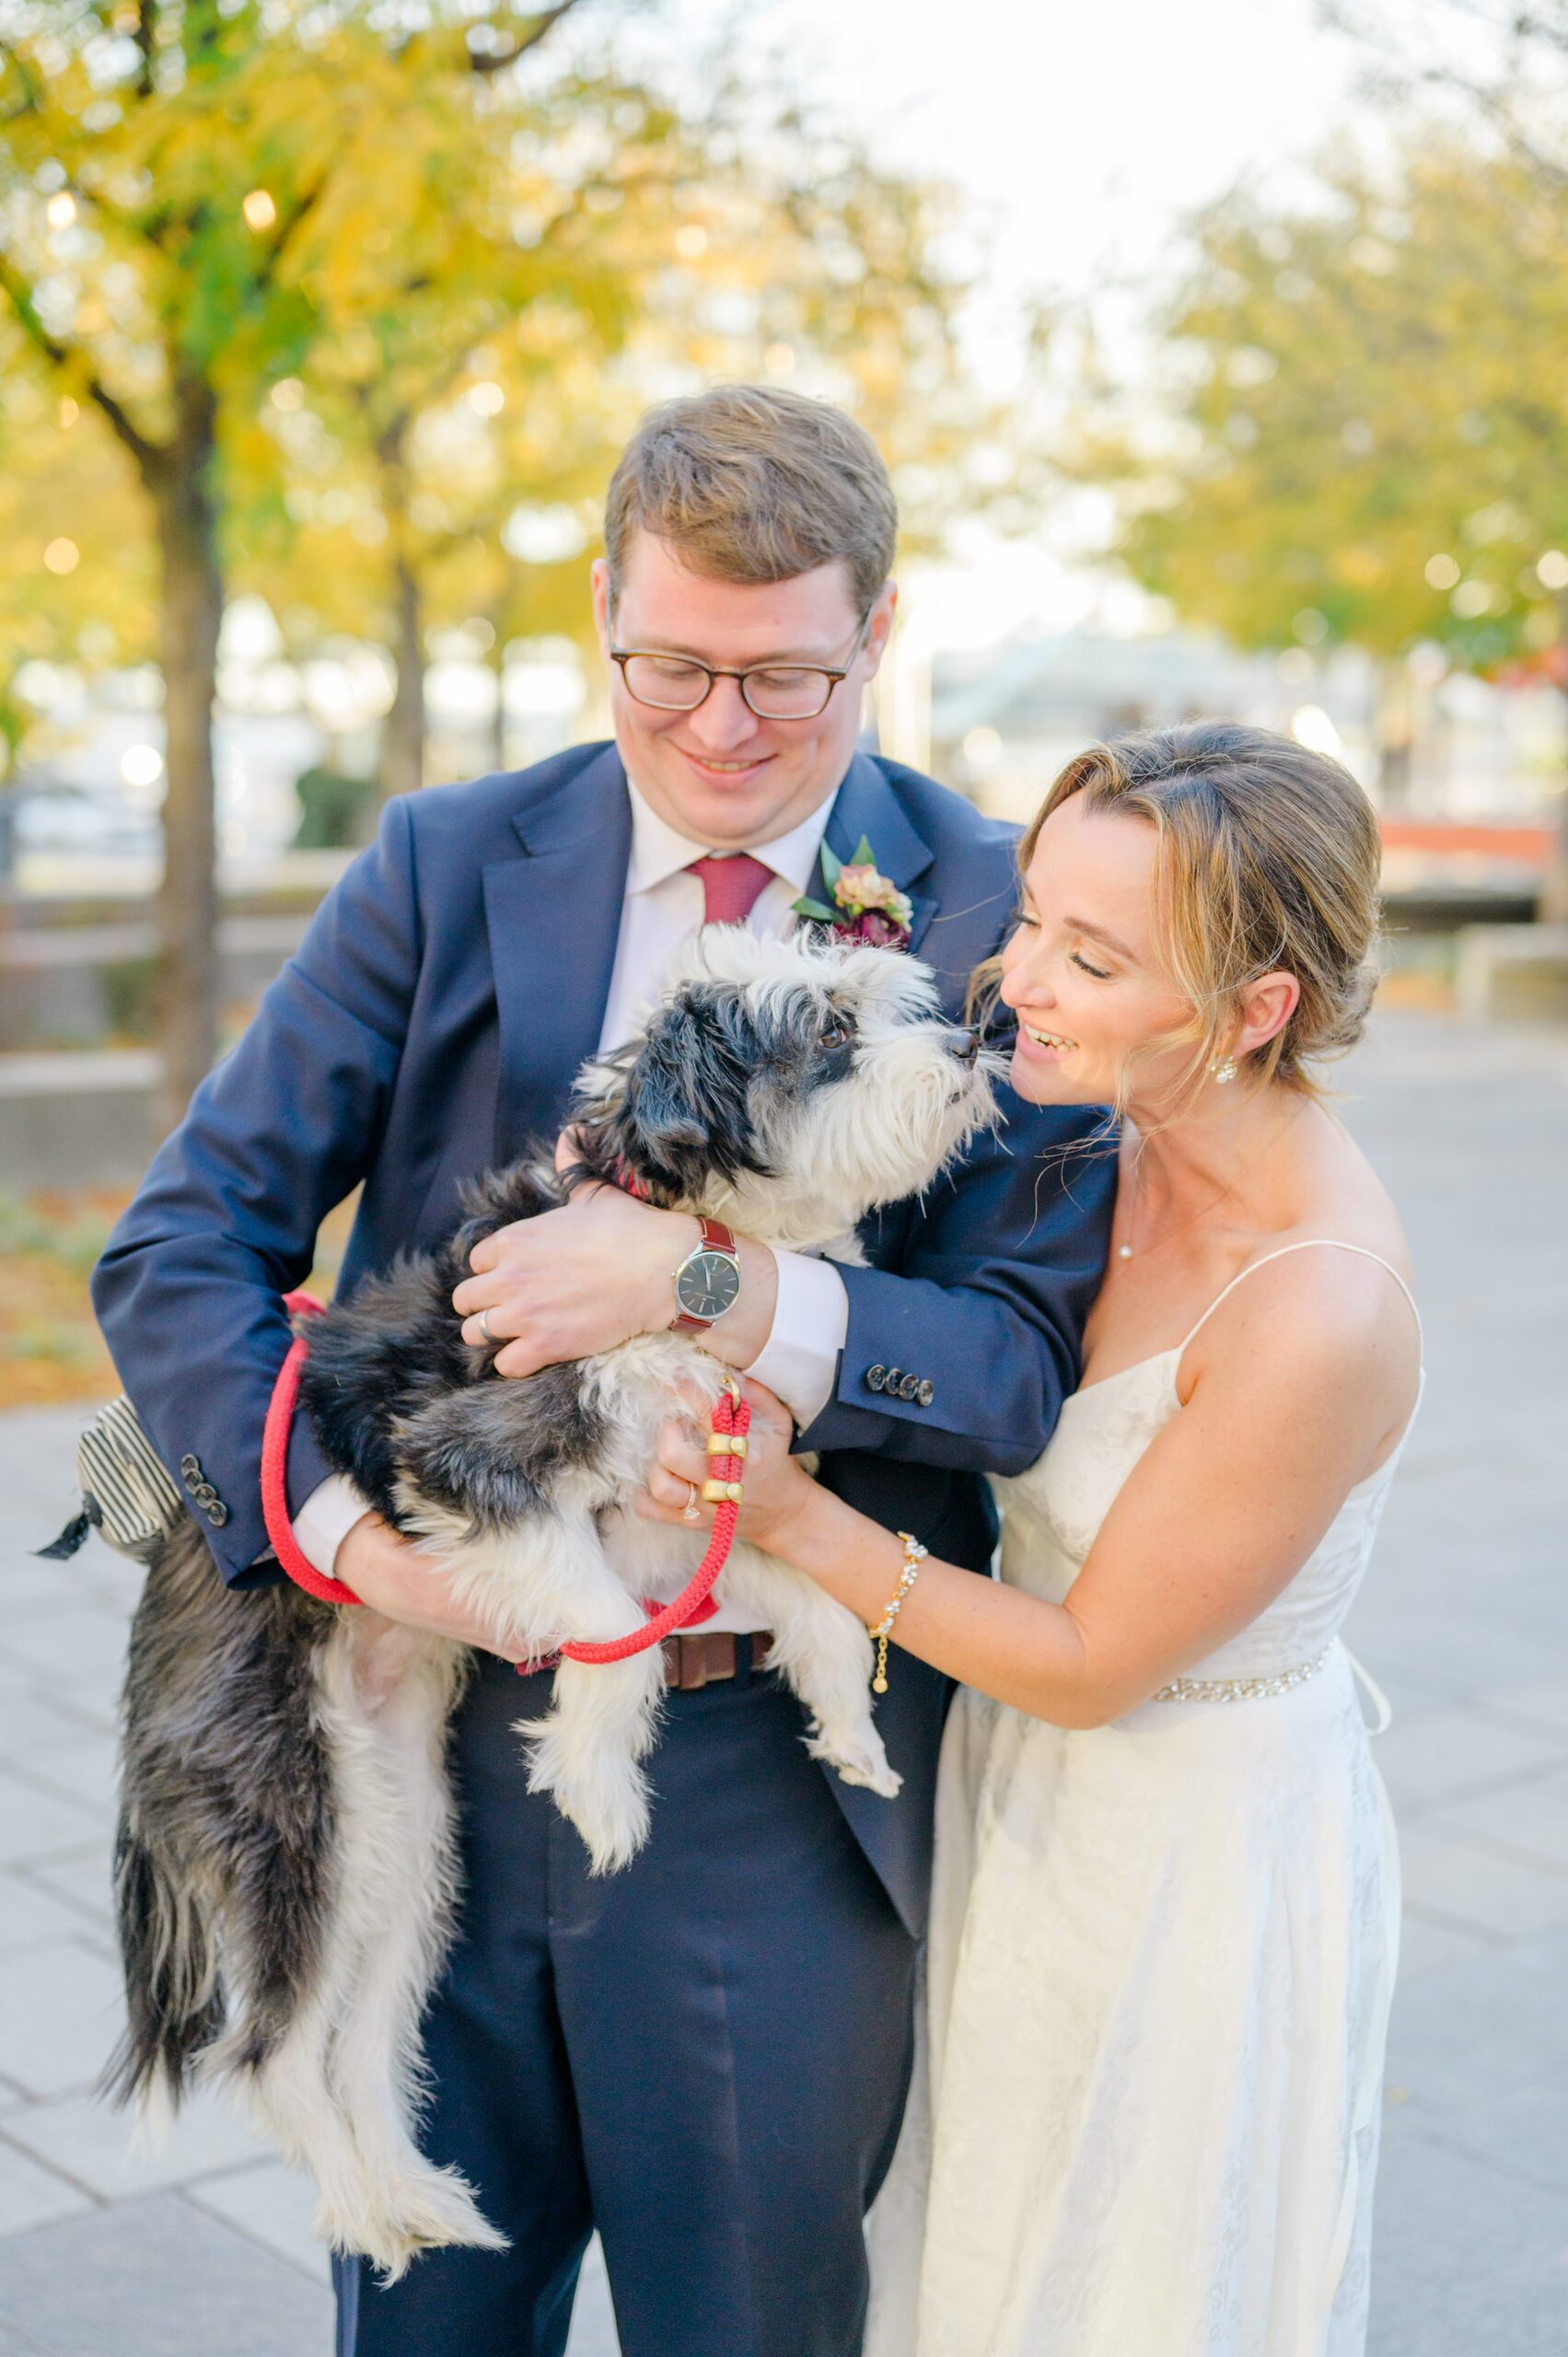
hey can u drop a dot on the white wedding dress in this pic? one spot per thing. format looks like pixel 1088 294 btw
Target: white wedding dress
pixel 1145 2116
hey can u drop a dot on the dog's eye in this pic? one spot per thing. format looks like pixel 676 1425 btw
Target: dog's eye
pixel 834 1034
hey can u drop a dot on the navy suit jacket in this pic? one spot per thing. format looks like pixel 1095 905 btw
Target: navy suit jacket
pixel 431 1025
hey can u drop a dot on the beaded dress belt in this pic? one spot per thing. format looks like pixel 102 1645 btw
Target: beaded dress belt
pixel 1239 1690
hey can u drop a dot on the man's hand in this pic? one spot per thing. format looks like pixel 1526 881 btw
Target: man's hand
pixel 587 1278
pixel 394 1578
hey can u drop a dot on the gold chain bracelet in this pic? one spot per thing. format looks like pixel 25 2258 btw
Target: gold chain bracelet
pixel 914 1555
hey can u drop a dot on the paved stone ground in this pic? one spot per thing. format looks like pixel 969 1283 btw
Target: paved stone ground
pixel 206 2247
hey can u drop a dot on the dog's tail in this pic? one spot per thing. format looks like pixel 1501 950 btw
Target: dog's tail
pixel 174 2000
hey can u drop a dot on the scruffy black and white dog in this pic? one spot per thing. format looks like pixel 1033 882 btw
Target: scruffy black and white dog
pixel 285 1866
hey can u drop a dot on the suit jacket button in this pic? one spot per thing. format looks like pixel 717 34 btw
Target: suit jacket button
pixel 217 1513
pixel 875 1377
pixel 892 1381
pixel 926 1393
pixel 908 1386
pixel 192 1467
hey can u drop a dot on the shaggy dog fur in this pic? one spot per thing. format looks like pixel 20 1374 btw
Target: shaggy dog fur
pixel 286 1869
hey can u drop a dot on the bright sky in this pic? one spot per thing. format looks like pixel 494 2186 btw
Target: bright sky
pixel 1088 128
pixel 1084 133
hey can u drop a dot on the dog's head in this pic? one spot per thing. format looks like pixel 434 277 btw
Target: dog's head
pixel 789 1087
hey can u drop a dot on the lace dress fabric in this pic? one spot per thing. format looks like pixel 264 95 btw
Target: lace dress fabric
pixel 1145 2108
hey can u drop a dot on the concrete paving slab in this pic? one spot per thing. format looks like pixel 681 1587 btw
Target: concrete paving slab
pixel 1524 2130
pixel 82 1649
pixel 159 2278
pixel 1534 1701
pixel 81 1767
pixel 1439 1757
pixel 101 2148
pixel 593 2318
pixel 31 2195
pixel 36 1824
pixel 1527 1819
pixel 1481 2027
pixel 1473 1885
pixel 1468 2261
pixel 1429 1944
pixel 29 1913
pixel 272 2205
pixel 32 1722
pixel 83 1878
pixel 60 2014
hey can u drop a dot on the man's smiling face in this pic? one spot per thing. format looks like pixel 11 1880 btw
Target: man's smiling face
pixel 719 775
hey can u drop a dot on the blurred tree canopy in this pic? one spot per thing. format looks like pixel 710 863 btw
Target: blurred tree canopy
pixel 70 523
pixel 1358 430
pixel 1366 431
pixel 361 305
pixel 185 185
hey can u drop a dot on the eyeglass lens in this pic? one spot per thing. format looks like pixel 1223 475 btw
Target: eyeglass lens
pixel 788 692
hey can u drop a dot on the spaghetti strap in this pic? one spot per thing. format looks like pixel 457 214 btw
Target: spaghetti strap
pixel 1309 1244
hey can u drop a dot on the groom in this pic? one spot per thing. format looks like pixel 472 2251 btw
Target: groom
pixel 705 2056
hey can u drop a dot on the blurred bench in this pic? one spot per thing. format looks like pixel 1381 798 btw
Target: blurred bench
pixel 1513 973
pixel 60 985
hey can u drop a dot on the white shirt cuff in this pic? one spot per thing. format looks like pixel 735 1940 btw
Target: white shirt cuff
pixel 800 1357
pixel 325 1520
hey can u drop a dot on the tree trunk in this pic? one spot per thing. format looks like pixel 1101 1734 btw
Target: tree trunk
pixel 1553 907
pixel 180 479
pixel 498 717
pixel 403 731
pixel 1394 725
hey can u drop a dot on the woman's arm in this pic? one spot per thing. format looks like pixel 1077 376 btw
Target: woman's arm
pixel 1295 1394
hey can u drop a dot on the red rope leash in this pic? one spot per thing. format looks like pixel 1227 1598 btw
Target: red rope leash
pixel 731 1420
pixel 274 1463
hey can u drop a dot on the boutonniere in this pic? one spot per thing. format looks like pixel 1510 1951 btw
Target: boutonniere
pixel 868 906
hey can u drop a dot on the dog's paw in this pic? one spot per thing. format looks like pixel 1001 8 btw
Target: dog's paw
pixel 857 1759
pixel 408 2212
pixel 604 1794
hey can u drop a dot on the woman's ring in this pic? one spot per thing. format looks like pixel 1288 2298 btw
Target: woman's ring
pixel 484 1328
pixel 689 1511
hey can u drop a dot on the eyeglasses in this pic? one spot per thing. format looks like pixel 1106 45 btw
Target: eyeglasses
pixel 773 691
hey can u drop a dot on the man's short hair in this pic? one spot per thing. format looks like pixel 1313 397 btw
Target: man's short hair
pixel 748 483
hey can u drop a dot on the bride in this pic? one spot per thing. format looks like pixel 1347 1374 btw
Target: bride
pixel 1145 2120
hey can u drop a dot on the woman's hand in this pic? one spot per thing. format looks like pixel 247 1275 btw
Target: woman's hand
pixel 776 1485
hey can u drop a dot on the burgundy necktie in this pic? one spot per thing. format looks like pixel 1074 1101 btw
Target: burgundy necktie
pixel 731 886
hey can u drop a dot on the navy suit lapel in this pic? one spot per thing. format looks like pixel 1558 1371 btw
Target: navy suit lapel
pixel 867 805
pixel 553 917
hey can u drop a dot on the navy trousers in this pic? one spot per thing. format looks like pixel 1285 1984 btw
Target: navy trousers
pixel 705 2056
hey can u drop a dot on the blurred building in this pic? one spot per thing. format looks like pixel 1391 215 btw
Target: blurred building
pixel 1003 719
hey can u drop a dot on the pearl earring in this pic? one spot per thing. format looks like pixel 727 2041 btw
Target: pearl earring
pixel 1224 1071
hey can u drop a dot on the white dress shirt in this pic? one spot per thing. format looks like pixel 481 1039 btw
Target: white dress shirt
pixel 662 909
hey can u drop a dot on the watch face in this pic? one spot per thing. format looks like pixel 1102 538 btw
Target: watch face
pixel 706 1284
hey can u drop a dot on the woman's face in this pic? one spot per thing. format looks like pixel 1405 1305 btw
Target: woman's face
pixel 1081 972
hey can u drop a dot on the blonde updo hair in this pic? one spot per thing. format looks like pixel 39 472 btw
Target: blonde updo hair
pixel 1268 863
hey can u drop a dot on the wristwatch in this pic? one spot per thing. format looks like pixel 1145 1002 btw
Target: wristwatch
pixel 707 1282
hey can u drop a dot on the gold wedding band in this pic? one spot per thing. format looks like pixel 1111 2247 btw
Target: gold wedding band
pixel 484 1328
pixel 689 1511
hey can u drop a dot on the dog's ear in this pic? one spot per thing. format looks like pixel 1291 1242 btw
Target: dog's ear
pixel 683 1118
pixel 497 1197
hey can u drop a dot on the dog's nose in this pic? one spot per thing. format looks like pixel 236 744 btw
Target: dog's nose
pixel 966 1047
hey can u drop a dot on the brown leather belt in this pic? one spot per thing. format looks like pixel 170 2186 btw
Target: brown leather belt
pixel 699 1657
